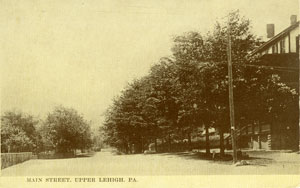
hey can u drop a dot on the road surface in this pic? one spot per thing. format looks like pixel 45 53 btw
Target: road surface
pixel 107 164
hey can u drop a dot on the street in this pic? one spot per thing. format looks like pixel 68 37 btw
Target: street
pixel 106 164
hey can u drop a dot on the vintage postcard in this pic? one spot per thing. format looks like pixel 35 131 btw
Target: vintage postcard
pixel 150 93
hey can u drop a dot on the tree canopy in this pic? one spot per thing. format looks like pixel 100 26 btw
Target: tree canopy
pixel 65 130
pixel 18 132
pixel 190 89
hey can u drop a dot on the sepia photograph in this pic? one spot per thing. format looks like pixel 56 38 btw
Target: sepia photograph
pixel 168 92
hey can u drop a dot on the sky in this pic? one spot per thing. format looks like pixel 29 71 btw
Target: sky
pixel 82 53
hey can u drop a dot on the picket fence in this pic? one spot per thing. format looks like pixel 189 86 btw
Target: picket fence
pixel 9 159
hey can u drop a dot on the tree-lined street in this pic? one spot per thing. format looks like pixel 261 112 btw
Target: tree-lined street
pixel 210 93
pixel 171 93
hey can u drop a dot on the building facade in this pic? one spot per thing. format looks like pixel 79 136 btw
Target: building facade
pixel 285 42
pixel 281 52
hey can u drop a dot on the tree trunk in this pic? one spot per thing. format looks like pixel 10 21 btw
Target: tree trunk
pixel 155 145
pixel 259 135
pixel 126 148
pixel 207 147
pixel 163 145
pixel 169 142
pixel 130 148
pixel 221 142
pixel 142 146
pixel 189 142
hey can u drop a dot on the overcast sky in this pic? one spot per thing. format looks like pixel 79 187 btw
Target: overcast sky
pixel 81 53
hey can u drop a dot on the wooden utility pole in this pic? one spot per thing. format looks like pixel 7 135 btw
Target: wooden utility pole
pixel 230 85
pixel 298 46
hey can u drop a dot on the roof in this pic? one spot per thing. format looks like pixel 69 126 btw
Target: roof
pixel 275 38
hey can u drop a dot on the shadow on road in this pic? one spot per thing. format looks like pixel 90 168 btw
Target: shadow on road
pixel 64 155
pixel 227 159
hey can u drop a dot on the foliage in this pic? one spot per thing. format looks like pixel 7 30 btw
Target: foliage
pixel 190 90
pixel 66 130
pixel 18 132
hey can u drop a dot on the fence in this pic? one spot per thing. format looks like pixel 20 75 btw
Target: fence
pixel 9 159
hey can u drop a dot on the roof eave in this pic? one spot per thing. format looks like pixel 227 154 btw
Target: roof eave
pixel 275 38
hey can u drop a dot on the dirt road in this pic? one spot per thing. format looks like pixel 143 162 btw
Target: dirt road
pixel 106 164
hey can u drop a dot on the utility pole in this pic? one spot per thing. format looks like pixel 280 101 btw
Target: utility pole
pixel 298 43
pixel 230 85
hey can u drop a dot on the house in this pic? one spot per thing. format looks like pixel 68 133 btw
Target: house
pixel 285 42
pixel 281 53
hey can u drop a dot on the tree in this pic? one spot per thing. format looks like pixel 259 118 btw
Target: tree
pixel 190 89
pixel 193 50
pixel 165 99
pixel 18 132
pixel 124 125
pixel 66 130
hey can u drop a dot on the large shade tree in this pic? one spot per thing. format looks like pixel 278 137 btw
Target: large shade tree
pixel 18 132
pixel 193 51
pixel 66 130
pixel 190 89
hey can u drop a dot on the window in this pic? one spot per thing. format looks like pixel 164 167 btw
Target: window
pixel 282 46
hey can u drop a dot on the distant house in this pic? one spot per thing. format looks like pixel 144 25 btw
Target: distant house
pixel 280 52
